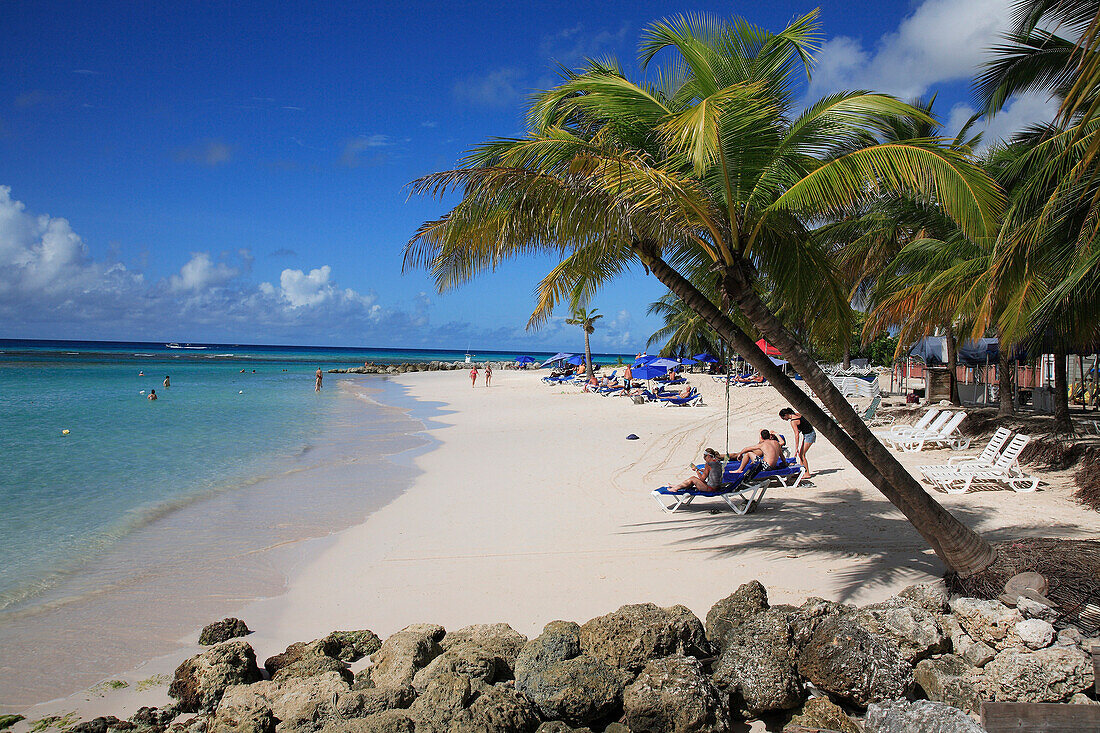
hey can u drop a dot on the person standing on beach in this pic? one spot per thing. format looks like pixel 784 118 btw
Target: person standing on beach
pixel 804 435
pixel 473 376
pixel 488 373
pixel 167 382
pixel 320 377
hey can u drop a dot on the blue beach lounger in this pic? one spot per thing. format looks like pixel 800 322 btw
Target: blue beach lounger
pixel 743 492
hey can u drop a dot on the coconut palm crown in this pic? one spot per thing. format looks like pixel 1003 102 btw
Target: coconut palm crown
pixel 706 174
pixel 587 321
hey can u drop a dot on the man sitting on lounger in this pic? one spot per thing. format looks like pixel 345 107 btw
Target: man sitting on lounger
pixel 768 449
pixel 707 478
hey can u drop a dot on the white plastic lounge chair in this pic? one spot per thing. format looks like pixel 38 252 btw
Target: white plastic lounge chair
pixel 1005 470
pixel 921 424
pixel 986 459
pixel 948 435
pixel 894 438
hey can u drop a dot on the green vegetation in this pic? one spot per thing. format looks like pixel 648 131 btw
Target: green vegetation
pixel 157 680
pixel 765 221
pixel 55 721
pixel 7 721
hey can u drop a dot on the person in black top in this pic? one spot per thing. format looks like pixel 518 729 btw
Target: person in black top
pixel 804 435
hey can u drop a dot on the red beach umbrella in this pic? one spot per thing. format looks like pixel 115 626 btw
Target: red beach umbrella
pixel 767 348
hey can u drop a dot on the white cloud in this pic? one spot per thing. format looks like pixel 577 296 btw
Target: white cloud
pixel 572 45
pixel 210 153
pixel 941 41
pixel 498 88
pixel 352 155
pixel 201 273
pixel 1018 114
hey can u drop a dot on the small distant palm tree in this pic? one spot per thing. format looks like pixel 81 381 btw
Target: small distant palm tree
pixel 586 320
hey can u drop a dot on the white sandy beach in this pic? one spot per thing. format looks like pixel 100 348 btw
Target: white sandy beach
pixel 532 506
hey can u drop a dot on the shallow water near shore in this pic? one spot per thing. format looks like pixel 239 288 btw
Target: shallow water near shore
pixel 129 568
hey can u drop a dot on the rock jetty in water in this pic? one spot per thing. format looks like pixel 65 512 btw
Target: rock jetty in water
pixel 917 661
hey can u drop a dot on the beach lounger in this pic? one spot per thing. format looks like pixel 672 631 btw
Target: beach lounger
pixel 895 439
pixel 693 400
pixel 986 459
pixel 948 435
pixel 741 491
pixel 1006 469
pixel 921 424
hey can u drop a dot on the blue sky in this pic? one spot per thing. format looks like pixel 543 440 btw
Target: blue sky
pixel 236 171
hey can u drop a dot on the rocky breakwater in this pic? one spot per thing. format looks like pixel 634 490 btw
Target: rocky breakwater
pixel 917 661
pixel 420 366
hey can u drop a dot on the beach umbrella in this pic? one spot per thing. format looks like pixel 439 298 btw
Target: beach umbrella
pixel 767 348
pixel 687 360
pixel 524 360
pixel 664 363
pixel 644 359
pixel 648 371
pixel 576 360
pixel 556 357
pixel 705 358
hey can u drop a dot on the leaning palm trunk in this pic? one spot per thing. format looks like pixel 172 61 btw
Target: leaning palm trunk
pixel 952 367
pixel 1062 422
pixel 959 547
pixel 1006 406
pixel 588 356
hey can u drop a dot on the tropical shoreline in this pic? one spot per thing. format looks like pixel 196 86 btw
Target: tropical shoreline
pixel 458 546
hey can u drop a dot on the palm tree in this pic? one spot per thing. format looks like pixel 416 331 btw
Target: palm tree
pixel 707 173
pixel 586 320
pixel 1050 244
pixel 685 332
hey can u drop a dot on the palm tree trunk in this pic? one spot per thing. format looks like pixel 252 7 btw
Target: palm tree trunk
pixel 953 366
pixel 1062 423
pixel 1006 407
pixel 847 358
pixel 959 547
pixel 587 354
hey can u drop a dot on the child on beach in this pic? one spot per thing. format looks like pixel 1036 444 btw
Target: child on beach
pixel 473 376
pixel 804 435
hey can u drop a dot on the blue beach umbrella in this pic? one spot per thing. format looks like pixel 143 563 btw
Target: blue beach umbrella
pixel 576 360
pixel 643 360
pixel 648 372
pixel 524 360
pixel 705 357
pixel 556 357
pixel 687 360
pixel 664 363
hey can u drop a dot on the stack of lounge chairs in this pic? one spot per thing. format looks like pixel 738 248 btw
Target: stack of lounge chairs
pixel 742 491
pixel 936 429
pixel 998 463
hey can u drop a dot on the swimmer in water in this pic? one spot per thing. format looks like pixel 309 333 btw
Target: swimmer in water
pixel 167 382
pixel 141 374
pixel 152 395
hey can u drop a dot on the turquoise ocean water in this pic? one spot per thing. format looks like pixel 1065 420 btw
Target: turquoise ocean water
pixel 66 500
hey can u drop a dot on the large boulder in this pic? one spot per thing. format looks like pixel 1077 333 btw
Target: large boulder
pixel 806 618
pixel 926 716
pixel 500 640
pixel 756 671
pixel 990 622
pixel 400 657
pixel 563 683
pixel 309 666
pixel 914 629
pixel 364 703
pixel 243 713
pixel 465 659
pixel 224 630
pixel 747 601
pixel 824 714
pixel 633 635
pixel 1053 674
pixel 345 646
pixel 845 660
pixel 932 597
pixel 1035 633
pixel 950 679
pixel 386 721
pixel 556 726
pixel 452 703
pixel 201 680
pixel 300 704
pixel 673 695
pixel 559 640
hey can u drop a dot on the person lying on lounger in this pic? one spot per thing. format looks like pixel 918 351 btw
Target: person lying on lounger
pixel 707 478
pixel 768 449
pixel 686 391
